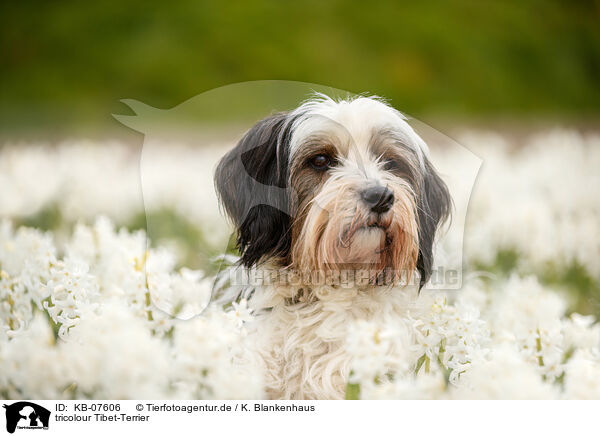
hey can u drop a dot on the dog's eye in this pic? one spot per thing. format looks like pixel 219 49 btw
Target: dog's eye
pixel 320 162
pixel 399 168
pixel 391 165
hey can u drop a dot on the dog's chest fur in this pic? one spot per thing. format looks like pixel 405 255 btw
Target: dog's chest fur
pixel 303 343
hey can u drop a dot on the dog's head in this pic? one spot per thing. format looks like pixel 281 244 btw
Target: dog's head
pixel 335 185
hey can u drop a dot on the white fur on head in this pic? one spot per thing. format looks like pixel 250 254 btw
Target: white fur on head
pixel 354 117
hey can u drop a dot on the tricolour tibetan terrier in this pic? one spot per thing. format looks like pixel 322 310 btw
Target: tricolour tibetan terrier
pixel 337 204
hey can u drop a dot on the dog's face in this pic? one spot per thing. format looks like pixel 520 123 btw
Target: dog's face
pixel 332 186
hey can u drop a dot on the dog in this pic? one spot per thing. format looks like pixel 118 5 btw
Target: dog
pixel 336 206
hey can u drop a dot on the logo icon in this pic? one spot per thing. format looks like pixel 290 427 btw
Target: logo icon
pixel 26 415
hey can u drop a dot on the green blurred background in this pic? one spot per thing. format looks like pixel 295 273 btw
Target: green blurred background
pixel 66 64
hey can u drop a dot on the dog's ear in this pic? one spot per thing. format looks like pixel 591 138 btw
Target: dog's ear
pixel 434 206
pixel 252 185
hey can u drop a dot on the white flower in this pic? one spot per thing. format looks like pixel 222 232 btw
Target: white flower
pixel 71 291
pixel 104 298
pixel 505 375
pixel 582 376
pixel 241 313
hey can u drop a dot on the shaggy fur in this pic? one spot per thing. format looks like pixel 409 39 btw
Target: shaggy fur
pixel 339 202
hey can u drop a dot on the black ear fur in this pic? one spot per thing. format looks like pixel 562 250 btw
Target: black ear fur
pixel 434 207
pixel 251 182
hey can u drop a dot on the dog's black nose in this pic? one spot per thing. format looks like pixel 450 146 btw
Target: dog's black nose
pixel 379 198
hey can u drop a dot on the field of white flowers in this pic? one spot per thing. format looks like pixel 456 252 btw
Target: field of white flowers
pixel 87 299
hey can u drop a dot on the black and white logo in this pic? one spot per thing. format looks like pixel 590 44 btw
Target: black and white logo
pixel 26 415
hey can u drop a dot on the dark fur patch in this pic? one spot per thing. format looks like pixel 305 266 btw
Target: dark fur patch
pixel 252 184
pixel 434 206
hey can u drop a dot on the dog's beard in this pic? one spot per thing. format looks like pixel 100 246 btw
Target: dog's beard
pixel 338 233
